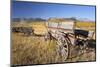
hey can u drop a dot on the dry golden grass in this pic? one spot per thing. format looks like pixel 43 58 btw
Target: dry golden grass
pixel 86 25
pixel 29 50
pixel 35 50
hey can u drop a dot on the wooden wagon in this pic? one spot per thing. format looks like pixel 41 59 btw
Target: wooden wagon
pixel 65 33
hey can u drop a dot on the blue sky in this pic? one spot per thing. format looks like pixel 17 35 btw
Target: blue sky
pixel 21 9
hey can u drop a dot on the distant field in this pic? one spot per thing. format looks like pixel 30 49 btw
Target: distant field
pixel 39 27
pixel 86 25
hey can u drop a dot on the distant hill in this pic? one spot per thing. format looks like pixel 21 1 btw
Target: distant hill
pixel 51 19
pixel 85 20
pixel 70 19
pixel 27 19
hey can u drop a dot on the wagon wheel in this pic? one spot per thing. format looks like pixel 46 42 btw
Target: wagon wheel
pixel 63 48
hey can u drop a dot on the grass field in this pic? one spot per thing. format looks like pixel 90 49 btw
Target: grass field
pixel 39 27
pixel 86 25
pixel 32 50
pixel 35 50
